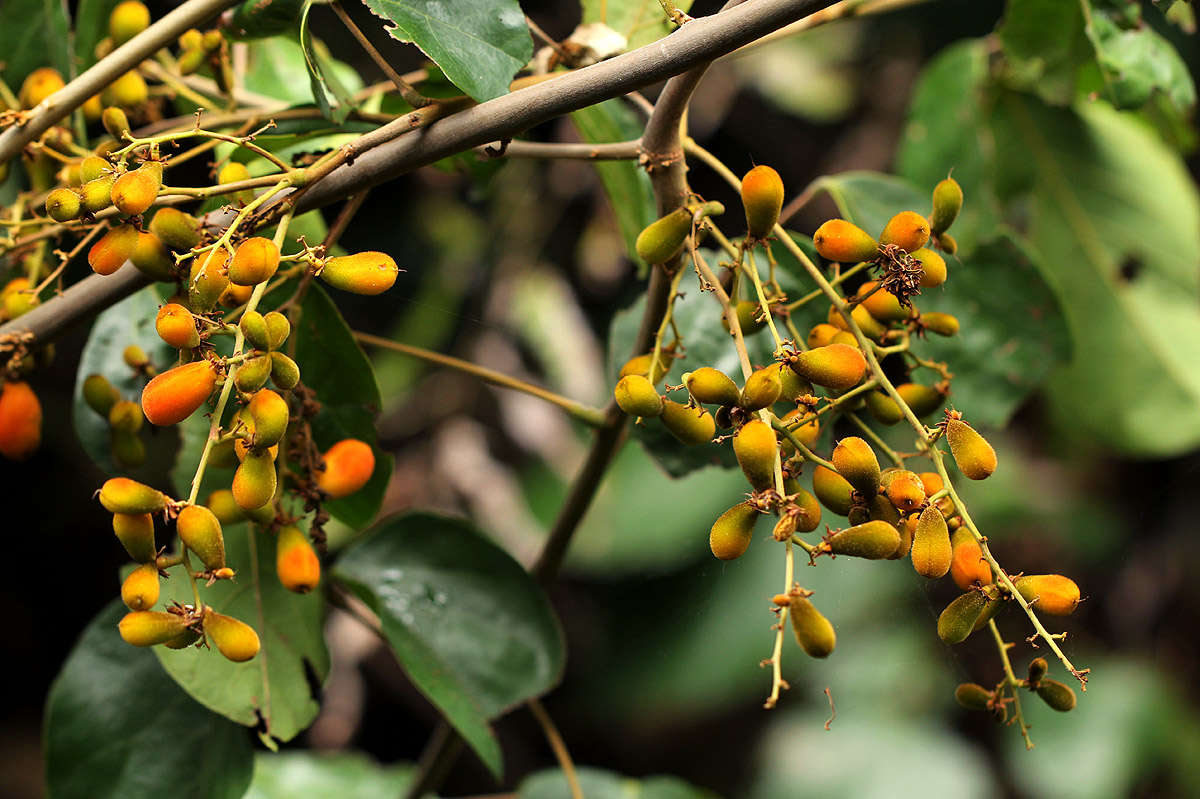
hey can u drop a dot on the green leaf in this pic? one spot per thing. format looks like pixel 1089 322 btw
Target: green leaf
pixel 334 366
pixel 1012 335
pixel 259 19
pixel 91 25
pixel 598 784
pixel 639 21
pixel 1044 44
pixel 1138 62
pixel 479 45
pixel 34 34
pixel 131 321
pixel 117 727
pixel 625 183
pixel 324 81
pixel 278 688
pixel 470 627
pixel 346 775
pixel 1115 218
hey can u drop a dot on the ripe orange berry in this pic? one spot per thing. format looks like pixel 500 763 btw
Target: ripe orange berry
pixel 235 640
pixel 40 84
pixel 175 394
pixel 845 242
pixel 835 366
pixel 349 464
pixel 361 273
pixel 1049 593
pixel 296 562
pixel 967 565
pixel 255 260
pixel 176 326
pixel 113 249
pixel 200 532
pixel 908 230
pixel 762 196
pixel 136 190
pixel 148 627
pixel 139 591
pixel 20 420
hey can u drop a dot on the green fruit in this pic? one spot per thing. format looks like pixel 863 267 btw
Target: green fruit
pixel 200 531
pixel 974 455
pixel 285 374
pixel 832 490
pixel 692 426
pixel 92 168
pixel 208 279
pixel 152 258
pixel 1049 593
pixel 922 399
pixel 747 312
pixel 1058 696
pixel 225 507
pixel 63 205
pixel 947 202
pixel 127 448
pixel 252 375
pixel 732 531
pixel 813 631
pixel 254 329
pixel 97 194
pixel 836 366
pixel 254 481
pixel 972 696
pixel 636 396
pixel 856 461
pixel 907 528
pixel 882 407
pixel 761 390
pixel 711 386
pixel 115 122
pixel 810 510
pixel 875 540
pixel 125 416
pixel 946 243
pixel 278 329
pixel 757 451
pixel 663 238
pixel 99 394
pixel 1037 670
pixel 958 620
pixel 791 385
pixel 176 229
pixel 931 550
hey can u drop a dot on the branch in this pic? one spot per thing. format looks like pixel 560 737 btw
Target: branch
pixel 126 57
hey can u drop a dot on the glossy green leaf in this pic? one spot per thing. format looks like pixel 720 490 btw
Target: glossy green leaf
pixel 638 21
pixel 470 627
pixel 323 80
pixel 1137 63
pixel 34 34
pixel 334 366
pixel 1045 45
pixel 346 775
pixel 278 688
pixel 258 19
pixel 599 784
pixel 479 45
pixel 117 727
pixel 625 182
pixel 130 321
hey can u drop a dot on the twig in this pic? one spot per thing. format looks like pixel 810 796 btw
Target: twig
pixel 410 95
pixel 558 745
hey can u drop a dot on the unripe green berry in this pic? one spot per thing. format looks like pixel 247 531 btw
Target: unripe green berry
pixel 974 455
pixel 874 540
pixel 943 324
pixel 972 696
pixel 732 531
pixel 99 394
pixel 254 480
pixel 947 202
pixel 285 374
pixel 813 631
pixel 278 329
pixel 1058 696
pixel 254 328
pixel 63 205
pixel 663 238
pixel 253 374
pixel 176 229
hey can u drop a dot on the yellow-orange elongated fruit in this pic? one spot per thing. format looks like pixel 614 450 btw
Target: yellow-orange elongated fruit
pixel 296 563
pixel 128 19
pixel 148 627
pixel 270 414
pixel 947 202
pixel 762 197
pixel 153 259
pixel 791 385
pixel 810 510
pixel 974 455
pixel 807 433
pixel 175 394
pixel 732 531
pixel 254 480
pixel 972 696
pixel 207 279
pixel 813 631
pixel 640 365
pixel 136 190
pixel 692 426
pixel 183 640
pixel 235 639
pixel 255 260
pixel 113 249
pixel 1058 696
pixel 762 388
pixel 636 396
pixel 832 490
pixel 135 531
pixel 931 550
pixel 923 399
pixel 127 91
pixel 882 407
pixel 663 238
pixel 845 242
pixel 176 229
pixel 904 489
pixel 200 532
pixel 176 326
pixel 943 324
pixel 881 303
pixel 874 540
pixel 968 566
pixel 908 230
pixel 958 620
pixel 820 335
pixel 139 591
pixel 225 507
pixel 1049 593
pixel 756 450
pixel 39 84
pixel 20 420
pixel 122 495
pixel 933 268
pixel 711 386
pixel 836 366
pixel 361 273
pixel 856 461
pixel 349 465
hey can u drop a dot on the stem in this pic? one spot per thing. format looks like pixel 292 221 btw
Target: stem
pixel 578 151
pixel 1010 680
pixel 558 745
pixel 812 295
pixel 777 681
pixel 590 416
pixel 879 443
pixel 410 95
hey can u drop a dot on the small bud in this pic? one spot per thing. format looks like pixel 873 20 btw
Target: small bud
pixel 1058 696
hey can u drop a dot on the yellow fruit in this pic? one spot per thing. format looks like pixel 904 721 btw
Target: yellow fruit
pixel 757 449
pixel 640 365
pixel 254 480
pixel 933 266
pixel 882 304
pixel 113 249
pixel 882 407
pixel 135 531
pixel 873 540
pixel 931 551
pixel 176 326
pixel 234 171
pixel 296 563
pixel 810 510
pixel 904 489
pixel 270 413
pixel 821 335
pixel 947 202
pixel 663 238
pixel 175 394
pixel 1037 670
pixel 125 416
pixel 813 631
pixel 285 374
pixel 255 261
pixel 99 394
pixel 115 122
pixel 127 20
pixel 127 91
pixel 208 279
pixel 762 197
pixel 908 230
pixel 832 490
pixel 856 461
pixel 124 496
pixel 362 273
pixel 176 229
pixel 191 59
pixel 692 426
pixel 946 243
pixel 127 448
pixel 761 390
pixel 974 455
pixel 1058 696
pixel 63 205
pixel 234 296
pixel 747 312
pixel 135 358
pixel 922 399
pixel 252 375
pixel 236 640
pixel 349 465
pixel 136 190
pixel 200 532
pixel 225 507
pixel 148 627
pixel 152 258
pixel 806 433
pixel 842 241
pixel 711 386
pixel 1049 593
pixel 791 385
pixel 835 366
pixel 907 528
pixel 139 591
pixel 636 396
pixel 39 84
pixel 732 531
pixel 943 324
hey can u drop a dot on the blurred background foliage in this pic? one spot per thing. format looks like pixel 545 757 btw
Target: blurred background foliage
pixel 1076 149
